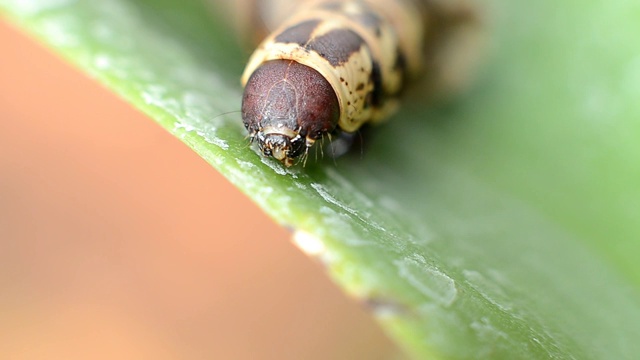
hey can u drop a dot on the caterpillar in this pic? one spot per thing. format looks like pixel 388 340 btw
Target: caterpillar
pixel 331 66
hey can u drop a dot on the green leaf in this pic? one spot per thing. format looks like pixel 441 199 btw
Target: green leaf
pixel 503 225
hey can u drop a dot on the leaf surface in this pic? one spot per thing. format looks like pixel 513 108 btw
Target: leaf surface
pixel 503 225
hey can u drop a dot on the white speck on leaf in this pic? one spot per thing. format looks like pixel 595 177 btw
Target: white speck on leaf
pixel 427 279
pixel 186 127
pixel 489 335
pixel 308 243
pixel 215 141
pixel 274 165
pixel 245 165
pixel 488 289
pixel 331 199
pixel 60 32
pixel 342 221
pixel 102 62
pixel 486 331
pixel 33 7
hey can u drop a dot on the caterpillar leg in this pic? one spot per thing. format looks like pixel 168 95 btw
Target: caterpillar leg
pixel 340 142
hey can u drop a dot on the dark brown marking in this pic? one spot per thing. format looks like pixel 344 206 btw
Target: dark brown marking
pixel 360 87
pixel 400 63
pixel 299 34
pixel 376 78
pixel 336 46
pixel 367 102
pixel 370 20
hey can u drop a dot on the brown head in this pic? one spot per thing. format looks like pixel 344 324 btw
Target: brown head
pixel 286 106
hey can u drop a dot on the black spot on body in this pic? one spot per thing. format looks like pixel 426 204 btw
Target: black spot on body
pixel 400 63
pixel 336 46
pixel 376 78
pixel 367 102
pixel 371 21
pixel 299 34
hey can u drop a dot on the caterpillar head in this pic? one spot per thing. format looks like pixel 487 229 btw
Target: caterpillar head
pixel 286 106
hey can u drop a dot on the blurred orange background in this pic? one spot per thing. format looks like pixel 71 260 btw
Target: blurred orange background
pixel 117 241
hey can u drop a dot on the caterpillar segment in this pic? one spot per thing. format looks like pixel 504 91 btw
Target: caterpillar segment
pixel 332 66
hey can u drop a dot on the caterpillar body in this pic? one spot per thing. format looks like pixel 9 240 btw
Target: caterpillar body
pixel 333 66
